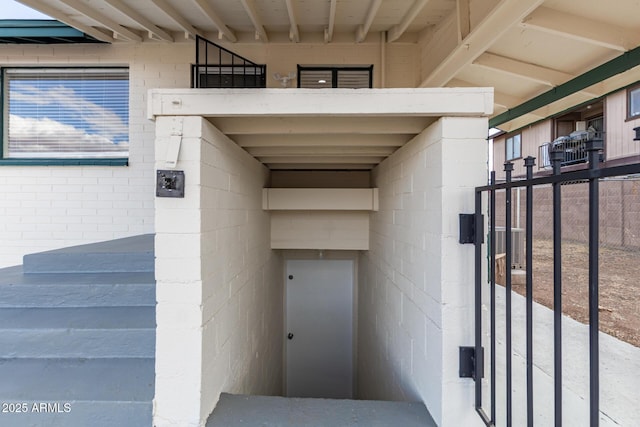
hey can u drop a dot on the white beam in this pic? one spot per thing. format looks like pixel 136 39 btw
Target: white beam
pixel 153 30
pixel 313 152
pixel 319 166
pixel 524 70
pixel 186 26
pixel 217 21
pixel 328 32
pixel 56 14
pixel 498 21
pixel 323 159
pixel 294 33
pixel 578 28
pixel 434 102
pixel 463 10
pixel 252 11
pixel 102 20
pixel 323 139
pixel 363 30
pixel 500 99
pixel 306 126
pixel 397 30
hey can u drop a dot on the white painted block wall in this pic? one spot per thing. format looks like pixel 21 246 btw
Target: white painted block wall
pixel 219 285
pixel 48 207
pixel 416 282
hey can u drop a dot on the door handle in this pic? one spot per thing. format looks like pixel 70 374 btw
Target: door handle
pixel 290 336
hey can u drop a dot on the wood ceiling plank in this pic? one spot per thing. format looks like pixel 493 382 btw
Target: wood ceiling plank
pixel 582 29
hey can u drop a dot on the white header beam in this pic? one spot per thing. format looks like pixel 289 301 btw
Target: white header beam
pixel 109 23
pixel 434 102
pixel 154 30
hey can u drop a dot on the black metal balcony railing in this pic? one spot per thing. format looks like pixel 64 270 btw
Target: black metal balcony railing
pixel 572 146
pixel 217 67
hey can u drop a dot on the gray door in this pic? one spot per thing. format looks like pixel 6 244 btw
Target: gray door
pixel 319 328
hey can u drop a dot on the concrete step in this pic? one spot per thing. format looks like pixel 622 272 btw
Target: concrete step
pixel 242 410
pixel 75 290
pixel 76 392
pixel 77 332
pixel 130 254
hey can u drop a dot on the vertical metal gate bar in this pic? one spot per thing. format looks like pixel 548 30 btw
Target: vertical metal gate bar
pixel 477 375
pixel 529 162
pixel 492 284
pixel 594 147
pixel 508 167
pixel 556 159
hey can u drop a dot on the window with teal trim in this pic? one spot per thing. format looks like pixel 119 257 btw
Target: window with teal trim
pixel 57 114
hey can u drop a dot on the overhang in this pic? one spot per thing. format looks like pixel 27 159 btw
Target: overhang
pixel 321 129
pixel 20 31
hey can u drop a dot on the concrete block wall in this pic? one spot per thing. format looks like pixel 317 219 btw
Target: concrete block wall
pixel 416 282
pixel 48 207
pixel 219 285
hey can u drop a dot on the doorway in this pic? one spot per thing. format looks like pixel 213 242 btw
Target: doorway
pixel 319 328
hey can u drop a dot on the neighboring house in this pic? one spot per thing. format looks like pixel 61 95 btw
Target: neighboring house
pixel 613 117
pixel 310 131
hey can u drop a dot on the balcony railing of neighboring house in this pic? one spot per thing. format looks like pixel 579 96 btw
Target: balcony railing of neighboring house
pixel 217 67
pixel 572 146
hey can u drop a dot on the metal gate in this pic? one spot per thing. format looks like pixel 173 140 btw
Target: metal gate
pixel 485 284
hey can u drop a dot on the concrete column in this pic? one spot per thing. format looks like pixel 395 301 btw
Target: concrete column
pixel 219 284
pixel 179 282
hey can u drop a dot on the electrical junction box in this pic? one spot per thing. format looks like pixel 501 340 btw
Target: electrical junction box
pixel 170 183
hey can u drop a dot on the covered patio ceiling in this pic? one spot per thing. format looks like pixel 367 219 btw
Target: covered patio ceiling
pixel 523 48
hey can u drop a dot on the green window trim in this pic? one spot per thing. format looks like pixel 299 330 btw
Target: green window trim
pixel 119 161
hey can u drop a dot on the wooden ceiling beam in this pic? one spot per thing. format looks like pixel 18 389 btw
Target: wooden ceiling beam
pixel 154 31
pixel 254 16
pixel 189 30
pixel 443 63
pixel 105 21
pixel 531 72
pixel 294 32
pixel 363 30
pixel 213 16
pixel 398 30
pixel 328 32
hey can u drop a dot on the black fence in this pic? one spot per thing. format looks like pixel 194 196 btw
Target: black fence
pixel 217 67
pixel 483 285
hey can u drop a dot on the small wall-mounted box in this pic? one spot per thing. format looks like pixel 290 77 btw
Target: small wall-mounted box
pixel 170 183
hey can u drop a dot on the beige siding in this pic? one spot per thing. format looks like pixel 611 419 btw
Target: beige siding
pixel 619 132
pixel 532 137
